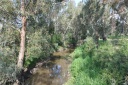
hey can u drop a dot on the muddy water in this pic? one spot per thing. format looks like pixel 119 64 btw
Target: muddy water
pixel 49 73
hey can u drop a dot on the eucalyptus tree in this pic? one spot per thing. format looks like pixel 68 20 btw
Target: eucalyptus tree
pixel 17 13
pixel 104 17
pixel 20 14
pixel 8 42
pixel 94 19
pixel 120 8
pixel 69 25
pixel 118 15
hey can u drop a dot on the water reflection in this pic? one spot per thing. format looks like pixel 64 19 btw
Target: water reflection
pixel 55 74
pixel 56 71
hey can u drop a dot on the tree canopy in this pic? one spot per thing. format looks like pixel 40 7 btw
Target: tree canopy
pixel 31 30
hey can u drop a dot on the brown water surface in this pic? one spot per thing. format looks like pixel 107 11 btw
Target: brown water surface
pixel 45 76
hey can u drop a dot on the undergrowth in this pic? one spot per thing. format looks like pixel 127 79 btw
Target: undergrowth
pixel 105 65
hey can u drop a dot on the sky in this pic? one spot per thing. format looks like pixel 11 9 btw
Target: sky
pixel 77 1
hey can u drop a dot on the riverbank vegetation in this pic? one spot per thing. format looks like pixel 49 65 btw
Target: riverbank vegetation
pixel 32 30
pixel 105 65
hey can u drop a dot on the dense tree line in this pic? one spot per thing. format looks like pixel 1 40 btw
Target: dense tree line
pixel 30 30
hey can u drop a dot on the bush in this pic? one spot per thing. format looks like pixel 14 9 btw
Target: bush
pixel 106 65
pixel 56 38
pixel 38 48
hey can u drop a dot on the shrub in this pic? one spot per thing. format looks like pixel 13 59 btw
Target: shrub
pixel 38 47
pixel 105 65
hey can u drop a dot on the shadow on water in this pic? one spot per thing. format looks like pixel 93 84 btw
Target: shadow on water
pixel 53 72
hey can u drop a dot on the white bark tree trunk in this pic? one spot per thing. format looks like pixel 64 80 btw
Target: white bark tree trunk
pixel 22 35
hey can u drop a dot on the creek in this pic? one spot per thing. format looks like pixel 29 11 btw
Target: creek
pixel 53 72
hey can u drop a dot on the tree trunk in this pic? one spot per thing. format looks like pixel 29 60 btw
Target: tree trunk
pixel 96 38
pixel 22 35
pixel 22 43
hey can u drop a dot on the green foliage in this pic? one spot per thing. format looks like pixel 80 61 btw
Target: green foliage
pixel 8 70
pixel 68 24
pixel 9 41
pixel 56 38
pixel 7 9
pixel 38 47
pixel 106 65
pixel 84 49
pixel 51 24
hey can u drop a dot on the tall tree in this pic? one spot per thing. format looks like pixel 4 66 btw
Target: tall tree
pixel 22 35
